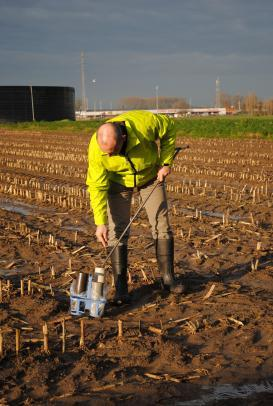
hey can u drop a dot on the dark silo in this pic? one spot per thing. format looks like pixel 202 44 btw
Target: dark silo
pixel 28 103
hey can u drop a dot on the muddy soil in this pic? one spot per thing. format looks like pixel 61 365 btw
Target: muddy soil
pixel 211 345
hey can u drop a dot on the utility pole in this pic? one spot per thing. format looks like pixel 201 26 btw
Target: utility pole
pixel 94 95
pixel 218 93
pixel 32 103
pixel 83 83
pixel 156 97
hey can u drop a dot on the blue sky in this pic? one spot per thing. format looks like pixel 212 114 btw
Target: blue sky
pixel 131 47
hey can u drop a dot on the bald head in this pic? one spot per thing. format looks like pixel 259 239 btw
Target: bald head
pixel 110 140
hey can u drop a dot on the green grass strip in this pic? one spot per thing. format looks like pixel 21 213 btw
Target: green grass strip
pixel 200 127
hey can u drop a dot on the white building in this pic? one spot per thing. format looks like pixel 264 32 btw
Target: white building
pixel 204 111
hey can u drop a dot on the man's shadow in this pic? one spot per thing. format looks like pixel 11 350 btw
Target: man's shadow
pixel 197 282
pixel 147 293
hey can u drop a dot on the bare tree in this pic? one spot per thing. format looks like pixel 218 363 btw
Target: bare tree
pixel 164 102
pixel 226 100
pixel 268 107
pixel 251 103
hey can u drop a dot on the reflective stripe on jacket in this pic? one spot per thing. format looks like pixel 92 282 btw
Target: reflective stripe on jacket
pixel 140 163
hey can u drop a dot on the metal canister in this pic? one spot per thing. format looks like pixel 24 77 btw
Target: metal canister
pixel 97 284
pixel 96 290
pixel 99 275
pixel 98 300
pixel 81 283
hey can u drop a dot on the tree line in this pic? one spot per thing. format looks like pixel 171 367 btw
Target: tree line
pixel 150 103
pixel 248 104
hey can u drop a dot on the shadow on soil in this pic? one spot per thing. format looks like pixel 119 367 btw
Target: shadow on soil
pixel 195 282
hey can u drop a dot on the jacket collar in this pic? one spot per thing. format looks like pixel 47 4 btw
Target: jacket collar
pixel 132 139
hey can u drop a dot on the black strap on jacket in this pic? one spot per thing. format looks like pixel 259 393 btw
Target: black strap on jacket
pixel 121 127
pixel 133 168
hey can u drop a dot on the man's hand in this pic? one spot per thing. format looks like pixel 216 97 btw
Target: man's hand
pixel 102 234
pixel 163 172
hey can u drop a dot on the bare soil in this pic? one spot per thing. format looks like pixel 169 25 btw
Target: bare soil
pixel 219 332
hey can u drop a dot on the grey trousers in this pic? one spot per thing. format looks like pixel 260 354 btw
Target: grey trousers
pixel 119 210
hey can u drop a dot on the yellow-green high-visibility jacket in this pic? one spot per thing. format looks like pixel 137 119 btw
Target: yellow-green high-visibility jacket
pixel 140 162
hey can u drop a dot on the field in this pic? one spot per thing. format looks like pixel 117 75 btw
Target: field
pixel 212 345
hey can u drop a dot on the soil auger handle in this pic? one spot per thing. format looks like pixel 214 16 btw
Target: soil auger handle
pixel 177 150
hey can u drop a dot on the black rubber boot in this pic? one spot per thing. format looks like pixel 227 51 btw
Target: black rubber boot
pixel 165 261
pixel 119 267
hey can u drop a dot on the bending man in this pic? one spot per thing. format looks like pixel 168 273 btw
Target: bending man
pixel 124 155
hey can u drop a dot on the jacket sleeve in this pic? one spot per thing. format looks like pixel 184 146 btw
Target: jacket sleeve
pixel 97 182
pixel 167 135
